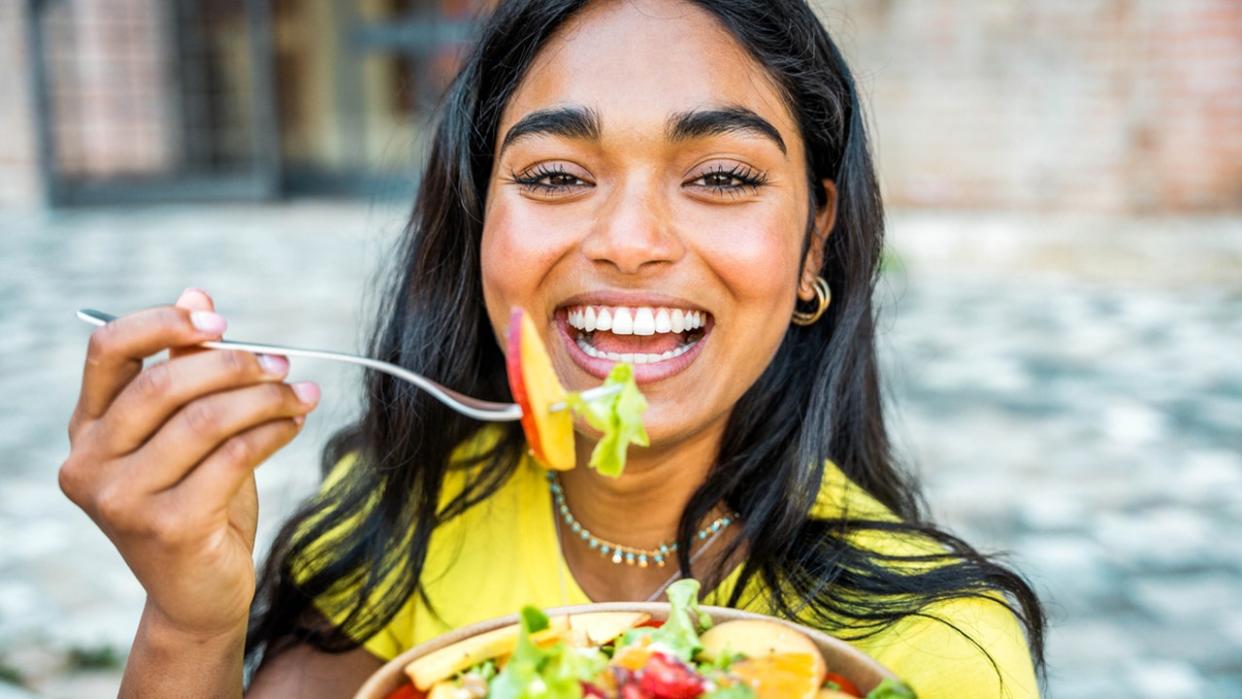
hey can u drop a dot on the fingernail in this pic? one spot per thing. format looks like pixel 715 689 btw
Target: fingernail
pixel 274 364
pixel 208 322
pixel 299 419
pixel 306 391
pixel 189 292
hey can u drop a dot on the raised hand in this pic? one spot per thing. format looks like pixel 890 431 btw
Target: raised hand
pixel 162 458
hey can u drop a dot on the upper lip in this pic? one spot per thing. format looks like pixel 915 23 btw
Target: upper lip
pixel 631 299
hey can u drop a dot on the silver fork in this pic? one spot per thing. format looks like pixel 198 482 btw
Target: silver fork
pixel 466 405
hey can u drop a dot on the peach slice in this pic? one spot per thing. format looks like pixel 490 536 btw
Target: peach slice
pixel 536 388
pixel 759 638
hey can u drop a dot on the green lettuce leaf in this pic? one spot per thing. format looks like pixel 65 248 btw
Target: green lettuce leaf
pixel 891 689
pixel 618 416
pixel 679 633
pixel 555 672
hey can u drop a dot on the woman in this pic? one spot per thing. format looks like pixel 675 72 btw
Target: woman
pixel 618 169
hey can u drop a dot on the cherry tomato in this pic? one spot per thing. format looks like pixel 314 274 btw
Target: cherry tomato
pixel 843 684
pixel 666 677
pixel 406 691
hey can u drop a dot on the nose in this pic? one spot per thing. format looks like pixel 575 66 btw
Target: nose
pixel 633 230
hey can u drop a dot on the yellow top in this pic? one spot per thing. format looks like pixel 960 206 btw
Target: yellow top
pixel 504 553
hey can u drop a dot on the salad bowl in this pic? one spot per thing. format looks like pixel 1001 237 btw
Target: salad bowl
pixel 841 657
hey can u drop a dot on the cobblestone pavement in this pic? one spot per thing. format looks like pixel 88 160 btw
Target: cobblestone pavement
pixel 1070 391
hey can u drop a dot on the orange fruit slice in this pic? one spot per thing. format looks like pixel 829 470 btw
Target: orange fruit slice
pixel 759 638
pixel 780 676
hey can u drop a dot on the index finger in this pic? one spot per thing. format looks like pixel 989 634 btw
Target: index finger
pixel 114 356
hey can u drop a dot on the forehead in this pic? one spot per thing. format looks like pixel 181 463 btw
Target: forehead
pixel 637 61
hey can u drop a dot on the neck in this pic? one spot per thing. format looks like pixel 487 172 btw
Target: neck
pixel 643 507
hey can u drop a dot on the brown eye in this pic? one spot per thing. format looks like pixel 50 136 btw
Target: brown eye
pixel 561 179
pixel 720 179
pixel 737 179
pixel 549 179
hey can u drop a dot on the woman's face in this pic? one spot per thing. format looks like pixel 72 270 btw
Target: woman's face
pixel 648 178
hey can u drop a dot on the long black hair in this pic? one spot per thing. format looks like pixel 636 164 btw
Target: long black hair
pixel 819 399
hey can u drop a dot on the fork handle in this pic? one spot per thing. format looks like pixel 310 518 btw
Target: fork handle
pixel 488 411
pixel 472 407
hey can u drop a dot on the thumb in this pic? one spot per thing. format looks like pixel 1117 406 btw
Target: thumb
pixel 193 299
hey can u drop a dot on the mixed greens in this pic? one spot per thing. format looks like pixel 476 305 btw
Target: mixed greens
pixel 675 659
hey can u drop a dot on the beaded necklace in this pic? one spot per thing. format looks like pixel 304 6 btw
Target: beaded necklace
pixel 619 553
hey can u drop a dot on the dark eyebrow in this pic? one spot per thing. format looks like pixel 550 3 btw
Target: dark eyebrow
pixel 711 122
pixel 570 122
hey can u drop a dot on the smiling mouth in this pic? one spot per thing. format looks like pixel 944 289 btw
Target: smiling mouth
pixel 638 335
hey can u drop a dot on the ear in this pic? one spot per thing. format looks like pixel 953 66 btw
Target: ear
pixel 825 219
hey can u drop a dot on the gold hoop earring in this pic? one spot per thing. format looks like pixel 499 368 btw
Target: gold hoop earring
pixel 824 296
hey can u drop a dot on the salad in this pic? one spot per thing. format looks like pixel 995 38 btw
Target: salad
pixel 627 655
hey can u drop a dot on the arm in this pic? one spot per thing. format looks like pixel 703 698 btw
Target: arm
pixel 305 672
pixel 165 661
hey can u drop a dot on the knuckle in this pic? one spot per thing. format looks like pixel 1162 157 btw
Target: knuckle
pixel 69 480
pixel 238 451
pixel 112 504
pixel 100 343
pixel 167 528
pixel 238 364
pixel 174 317
pixel 278 395
pixel 155 381
pixel 201 418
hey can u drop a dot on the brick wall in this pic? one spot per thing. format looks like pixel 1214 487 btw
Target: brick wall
pixel 1111 105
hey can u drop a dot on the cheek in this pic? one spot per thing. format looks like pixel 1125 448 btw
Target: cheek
pixel 755 255
pixel 518 252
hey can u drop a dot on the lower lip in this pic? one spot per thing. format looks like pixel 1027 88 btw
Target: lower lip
pixel 643 373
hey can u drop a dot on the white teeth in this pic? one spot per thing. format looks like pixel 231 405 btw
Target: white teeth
pixel 644 321
pixel 662 324
pixel 622 322
pixel 678 321
pixel 633 358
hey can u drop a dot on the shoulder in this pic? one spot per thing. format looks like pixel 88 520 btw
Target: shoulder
pixel 960 647
pixel 963 648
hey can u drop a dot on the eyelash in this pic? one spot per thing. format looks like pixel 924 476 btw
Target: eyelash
pixel 532 180
pixel 750 181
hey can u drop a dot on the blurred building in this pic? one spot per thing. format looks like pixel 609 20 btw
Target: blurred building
pixel 1106 105
pixel 156 100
